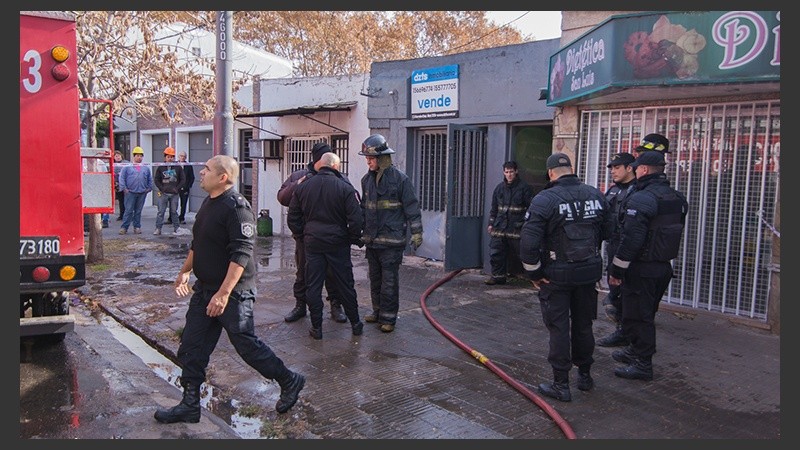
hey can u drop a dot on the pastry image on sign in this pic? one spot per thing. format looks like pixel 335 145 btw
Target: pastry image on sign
pixel 669 50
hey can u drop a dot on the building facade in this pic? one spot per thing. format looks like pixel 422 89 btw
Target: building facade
pixel 288 116
pixel 453 121
pixel 195 136
pixel 710 82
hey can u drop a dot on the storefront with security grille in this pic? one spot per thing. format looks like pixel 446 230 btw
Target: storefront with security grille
pixel 710 83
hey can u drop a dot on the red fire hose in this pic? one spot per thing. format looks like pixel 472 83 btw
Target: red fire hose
pixel 565 427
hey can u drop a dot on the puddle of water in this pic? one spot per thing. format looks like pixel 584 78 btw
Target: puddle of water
pixel 245 427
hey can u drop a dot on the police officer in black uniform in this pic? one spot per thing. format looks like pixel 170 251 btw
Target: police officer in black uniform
pixel 510 200
pixel 624 178
pixel 221 256
pixel 560 242
pixel 654 215
pixel 326 211
pixel 285 197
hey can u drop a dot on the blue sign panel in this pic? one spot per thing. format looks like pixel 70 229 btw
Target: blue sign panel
pixel 434 92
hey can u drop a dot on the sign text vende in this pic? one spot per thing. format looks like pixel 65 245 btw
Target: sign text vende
pixel 434 92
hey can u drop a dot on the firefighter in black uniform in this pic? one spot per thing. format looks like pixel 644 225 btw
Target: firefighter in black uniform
pixel 652 228
pixel 560 242
pixel 510 200
pixel 285 197
pixel 326 211
pixel 624 179
pixel 221 256
pixel 391 209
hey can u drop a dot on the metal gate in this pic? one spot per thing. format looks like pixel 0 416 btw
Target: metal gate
pixel 725 159
pixel 466 171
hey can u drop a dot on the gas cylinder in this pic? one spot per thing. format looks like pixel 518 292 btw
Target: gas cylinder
pixel 264 223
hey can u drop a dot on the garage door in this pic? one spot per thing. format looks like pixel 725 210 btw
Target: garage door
pixel 201 147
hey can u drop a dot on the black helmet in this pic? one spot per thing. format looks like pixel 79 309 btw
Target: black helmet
pixel 375 145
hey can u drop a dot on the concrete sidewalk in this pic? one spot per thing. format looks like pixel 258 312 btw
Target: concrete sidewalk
pixel 714 379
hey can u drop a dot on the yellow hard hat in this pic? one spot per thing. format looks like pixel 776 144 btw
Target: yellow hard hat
pixel 169 151
pixel 137 150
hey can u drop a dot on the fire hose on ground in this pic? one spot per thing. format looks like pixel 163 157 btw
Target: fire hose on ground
pixel 562 424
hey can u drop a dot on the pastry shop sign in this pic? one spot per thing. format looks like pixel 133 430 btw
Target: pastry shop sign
pixel 697 47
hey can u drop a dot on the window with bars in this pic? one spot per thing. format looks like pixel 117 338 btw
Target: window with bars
pixel 298 151
pixel 245 177
pixel 432 151
pixel 725 159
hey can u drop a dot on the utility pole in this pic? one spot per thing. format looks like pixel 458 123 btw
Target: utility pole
pixel 223 112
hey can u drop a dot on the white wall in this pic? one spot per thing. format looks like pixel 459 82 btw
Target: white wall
pixel 288 93
pixel 181 38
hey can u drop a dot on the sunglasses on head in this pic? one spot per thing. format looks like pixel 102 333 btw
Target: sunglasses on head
pixel 652 146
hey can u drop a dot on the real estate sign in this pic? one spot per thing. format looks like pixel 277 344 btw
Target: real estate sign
pixel 434 92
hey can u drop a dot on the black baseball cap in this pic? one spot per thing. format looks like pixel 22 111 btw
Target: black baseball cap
pixel 621 159
pixel 558 160
pixel 649 159
pixel 319 149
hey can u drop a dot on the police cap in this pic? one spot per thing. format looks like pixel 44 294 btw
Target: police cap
pixel 649 159
pixel 621 159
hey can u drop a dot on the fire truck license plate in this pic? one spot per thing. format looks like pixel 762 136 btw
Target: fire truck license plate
pixel 39 247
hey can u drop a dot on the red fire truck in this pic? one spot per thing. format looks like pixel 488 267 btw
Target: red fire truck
pixel 60 178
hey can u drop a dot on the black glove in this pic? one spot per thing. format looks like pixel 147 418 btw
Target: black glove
pixel 616 271
pixel 535 275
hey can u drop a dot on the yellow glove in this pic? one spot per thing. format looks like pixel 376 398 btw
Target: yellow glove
pixel 416 240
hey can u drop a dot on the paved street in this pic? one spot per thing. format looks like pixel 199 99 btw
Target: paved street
pixel 714 379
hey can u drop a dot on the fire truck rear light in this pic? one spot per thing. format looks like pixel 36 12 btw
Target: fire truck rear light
pixel 67 273
pixel 60 72
pixel 59 53
pixel 41 274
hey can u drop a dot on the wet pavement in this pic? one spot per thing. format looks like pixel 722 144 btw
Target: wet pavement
pixel 91 386
pixel 463 362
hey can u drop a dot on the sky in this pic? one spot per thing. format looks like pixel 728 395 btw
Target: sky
pixel 540 24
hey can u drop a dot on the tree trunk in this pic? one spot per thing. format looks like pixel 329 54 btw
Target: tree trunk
pixel 94 247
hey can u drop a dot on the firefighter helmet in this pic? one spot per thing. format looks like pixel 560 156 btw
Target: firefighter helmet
pixel 375 145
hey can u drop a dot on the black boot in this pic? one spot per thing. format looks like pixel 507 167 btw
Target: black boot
pixel 297 313
pixel 638 369
pixel 358 328
pixel 290 390
pixel 188 410
pixel 625 356
pixel 585 381
pixel 491 281
pixel 337 313
pixel 316 325
pixel 615 339
pixel 559 388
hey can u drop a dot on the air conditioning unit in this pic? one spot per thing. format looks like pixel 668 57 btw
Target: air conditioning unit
pixel 266 149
